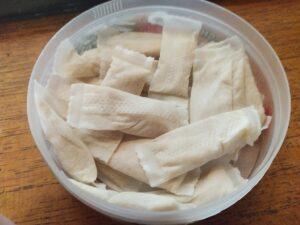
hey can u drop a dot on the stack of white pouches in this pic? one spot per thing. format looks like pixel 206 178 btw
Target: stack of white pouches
pixel 158 135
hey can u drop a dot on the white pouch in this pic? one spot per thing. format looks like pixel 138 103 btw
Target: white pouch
pixel 68 63
pixel 125 160
pixel 129 71
pixel 133 200
pixel 47 95
pixel 119 181
pixel 107 53
pixel 222 80
pixel 179 39
pixel 60 86
pixel 217 180
pixel 186 148
pixel 104 108
pixel 145 43
pixel 218 84
pixel 212 89
pixel 146 201
pixel 102 144
pixel 105 60
pixel 71 152
pixel 97 190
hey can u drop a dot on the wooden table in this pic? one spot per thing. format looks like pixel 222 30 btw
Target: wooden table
pixel 29 194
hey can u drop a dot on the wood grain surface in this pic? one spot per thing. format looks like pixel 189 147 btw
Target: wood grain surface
pixel 29 194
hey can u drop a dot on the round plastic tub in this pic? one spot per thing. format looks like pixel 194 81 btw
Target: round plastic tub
pixel 218 23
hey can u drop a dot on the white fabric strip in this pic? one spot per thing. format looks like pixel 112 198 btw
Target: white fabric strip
pixel 126 161
pixel 72 153
pixel 119 181
pixel 222 80
pixel 129 71
pixel 145 43
pixel 186 148
pixel 68 63
pixel 102 144
pixel 217 182
pixel 179 39
pixel 58 105
pixel 104 108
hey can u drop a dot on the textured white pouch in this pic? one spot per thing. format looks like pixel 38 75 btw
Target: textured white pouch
pixel 129 70
pixel 72 153
pixel 104 108
pixel 68 63
pixel 61 86
pixel 179 39
pixel 222 80
pixel 146 43
pixel 217 181
pixel 190 147
pixel 125 160
pixel 102 144
pixel 135 200
pixel 119 181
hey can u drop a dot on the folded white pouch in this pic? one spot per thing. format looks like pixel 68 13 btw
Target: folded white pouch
pixel 60 86
pixel 212 89
pixel 105 60
pixel 179 39
pixel 217 181
pixel 104 108
pixel 128 71
pixel 222 80
pixel 68 63
pixel 145 43
pixel 48 95
pixel 133 200
pixel 133 57
pixel 98 191
pixel 107 53
pixel 101 144
pixel 71 152
pixel 186 148
pixel 125 160
pixel 142 200
pixel 119 181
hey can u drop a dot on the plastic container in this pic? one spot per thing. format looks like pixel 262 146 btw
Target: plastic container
pixel 218 24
